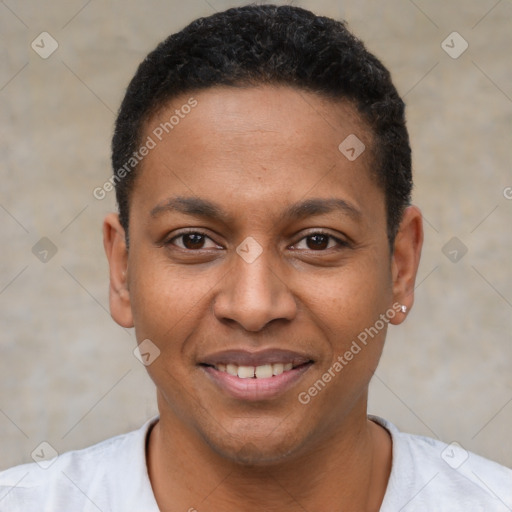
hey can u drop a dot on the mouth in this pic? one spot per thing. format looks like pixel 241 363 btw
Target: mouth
pixel 264 371
pixel 256 376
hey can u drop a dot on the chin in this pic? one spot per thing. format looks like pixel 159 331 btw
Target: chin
pixel 256 449
pixel 255 455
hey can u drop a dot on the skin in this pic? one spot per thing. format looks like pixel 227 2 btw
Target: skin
pixel 254 152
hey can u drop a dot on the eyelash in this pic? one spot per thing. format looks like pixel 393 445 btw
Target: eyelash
pixel 341 243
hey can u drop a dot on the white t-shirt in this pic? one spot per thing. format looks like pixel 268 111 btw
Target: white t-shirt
pixel 111 476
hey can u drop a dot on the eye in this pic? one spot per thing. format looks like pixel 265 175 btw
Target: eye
pixel 320 241
pixel 192 240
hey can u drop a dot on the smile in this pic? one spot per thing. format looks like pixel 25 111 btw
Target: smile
pixel 255 376
pixel 264 371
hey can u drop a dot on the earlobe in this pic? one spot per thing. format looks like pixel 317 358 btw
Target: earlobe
pixel 406 259
pixel 114 243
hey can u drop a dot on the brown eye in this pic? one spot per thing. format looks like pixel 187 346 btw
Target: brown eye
pixel 317 242
pixel 320 242
pixel 192 241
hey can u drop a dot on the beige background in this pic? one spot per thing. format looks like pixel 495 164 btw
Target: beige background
pixel 68 375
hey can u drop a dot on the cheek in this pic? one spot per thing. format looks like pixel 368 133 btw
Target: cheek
pixel 166 301
pixel 353 296
pixel 350 312
pixel 349 309
pixel 167 309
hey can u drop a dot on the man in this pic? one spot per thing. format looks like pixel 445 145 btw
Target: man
pixel 265 240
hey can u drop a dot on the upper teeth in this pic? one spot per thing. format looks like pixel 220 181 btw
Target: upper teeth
pixel 260 372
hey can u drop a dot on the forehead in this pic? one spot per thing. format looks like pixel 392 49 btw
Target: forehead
pixel 256 142
pixel 238 112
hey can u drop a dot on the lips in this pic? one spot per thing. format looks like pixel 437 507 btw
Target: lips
pixel 255 375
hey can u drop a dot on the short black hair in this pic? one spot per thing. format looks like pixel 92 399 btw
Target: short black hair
pixel 268 44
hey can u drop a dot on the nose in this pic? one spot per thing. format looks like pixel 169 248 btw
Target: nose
pixel 254 294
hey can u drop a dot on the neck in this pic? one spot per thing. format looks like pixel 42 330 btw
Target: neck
pixel 347 470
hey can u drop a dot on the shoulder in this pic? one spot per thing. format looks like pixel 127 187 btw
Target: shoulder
pixel 428 474
pixel 92 477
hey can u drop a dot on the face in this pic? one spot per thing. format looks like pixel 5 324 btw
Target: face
pixel 258 261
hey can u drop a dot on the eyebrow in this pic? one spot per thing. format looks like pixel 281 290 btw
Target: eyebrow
pixel 203 208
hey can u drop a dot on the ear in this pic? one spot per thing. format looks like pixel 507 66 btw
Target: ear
pixel 114 242
pixel 406 259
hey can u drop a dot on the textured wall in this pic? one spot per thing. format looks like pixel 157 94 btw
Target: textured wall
pixel 68 375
